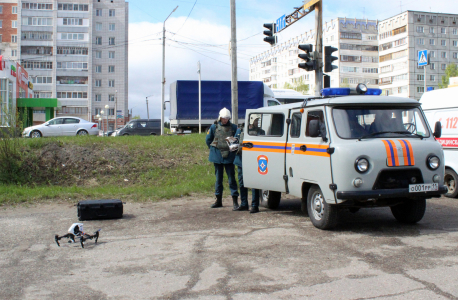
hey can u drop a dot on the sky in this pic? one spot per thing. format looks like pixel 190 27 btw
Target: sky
pixel 200 30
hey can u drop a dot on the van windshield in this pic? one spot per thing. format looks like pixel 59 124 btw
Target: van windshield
pixel 373 122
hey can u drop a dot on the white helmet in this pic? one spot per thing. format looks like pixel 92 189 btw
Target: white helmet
pixel 224 113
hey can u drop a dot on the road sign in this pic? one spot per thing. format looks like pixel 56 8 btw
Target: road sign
pixel 281 23
pixel 422 58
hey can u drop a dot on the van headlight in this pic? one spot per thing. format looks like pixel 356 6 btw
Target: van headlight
pixel 433 162
pixel 362 165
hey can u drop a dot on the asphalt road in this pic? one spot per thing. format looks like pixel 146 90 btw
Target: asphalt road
pixel 182 249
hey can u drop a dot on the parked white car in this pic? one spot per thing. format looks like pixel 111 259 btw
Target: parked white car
pixel 62 126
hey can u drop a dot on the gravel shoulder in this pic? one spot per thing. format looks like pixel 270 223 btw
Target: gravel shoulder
pixel 182 249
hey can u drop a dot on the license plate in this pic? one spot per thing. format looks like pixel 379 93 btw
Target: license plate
pixel 418 188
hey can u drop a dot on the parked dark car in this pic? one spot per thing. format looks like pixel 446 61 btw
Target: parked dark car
pixel 140 127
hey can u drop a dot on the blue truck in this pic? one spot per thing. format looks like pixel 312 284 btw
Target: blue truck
pixel 184 102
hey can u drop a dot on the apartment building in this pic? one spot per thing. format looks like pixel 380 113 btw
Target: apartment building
pixel 76 51
pixel 357 44
pixel 401 38
pixel 8 29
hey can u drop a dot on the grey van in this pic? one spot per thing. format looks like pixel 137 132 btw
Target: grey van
pixel 141 127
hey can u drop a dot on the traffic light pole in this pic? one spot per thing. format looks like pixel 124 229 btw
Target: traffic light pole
pixel 319 47
pixel 234 82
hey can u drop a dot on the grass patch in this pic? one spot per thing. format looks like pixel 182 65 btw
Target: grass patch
pixel 131 168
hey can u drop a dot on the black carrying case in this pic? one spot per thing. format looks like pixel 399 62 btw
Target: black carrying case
pixel 100 209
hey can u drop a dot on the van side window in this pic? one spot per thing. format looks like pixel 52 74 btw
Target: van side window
pixel 296 125
pixel 153 124
pixel 314 115
pixel 266 124
pixel 141 124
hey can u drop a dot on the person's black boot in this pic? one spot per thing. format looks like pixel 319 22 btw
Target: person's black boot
pixel 235 202
pixel 242 208
pixel 218 202
pixel 254 209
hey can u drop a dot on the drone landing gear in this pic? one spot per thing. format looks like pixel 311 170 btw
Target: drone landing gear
pixel 82 236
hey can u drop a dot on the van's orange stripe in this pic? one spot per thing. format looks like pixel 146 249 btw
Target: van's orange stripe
pixel 404 153
pixel 410 153
pixel 388 153
pixel 395 152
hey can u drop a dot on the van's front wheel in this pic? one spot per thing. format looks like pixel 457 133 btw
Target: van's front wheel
pixel 270 199
pixel 322 214
pixel 410 211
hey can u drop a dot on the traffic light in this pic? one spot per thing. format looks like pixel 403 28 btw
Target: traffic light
pixel 309 57
pixel 328 59
pixel 271 37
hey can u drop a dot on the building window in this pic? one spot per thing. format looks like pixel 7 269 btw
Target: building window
pixel 111 98
pixel 443 30
pixel 13 52
pixel 111 13
pixel 72 65
pixel 443 43
pixel 1 23
pixel 111 54
pixel 111 83
pixel 111 41
pixel 432 66
pixel 14 24
pixel 455 43
pixel 0 36
pixel 433 53
pixel 443 66
pixel 98 26
pixel 41 79
pixel 432 77
pixel 72 36
pixel 98 97
pixel 74 7
pixel 111 27
pixel 420 77
pixel 420 29
pixel 420 89
pixel 98 54
pixel 443 54
pixel 111 111
pixel 14 39
pixel 98 12
pixel 72 21
pixel 432 41
pixel 420 41
pixel 431 29
pixel 33 21
pixel 72 50
pixel 98 82
pixel 98 40
pixel 455 55
pixel 37 6
pixel 349 35
pixel 98 69
pixel 70 95
pixel 111 69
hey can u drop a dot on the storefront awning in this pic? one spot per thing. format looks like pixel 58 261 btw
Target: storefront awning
pixel 39 102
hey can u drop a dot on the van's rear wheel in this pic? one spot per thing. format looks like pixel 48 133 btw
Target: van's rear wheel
pixel 270 199
pixel 322 214
pixel 451 182
pixel 410 211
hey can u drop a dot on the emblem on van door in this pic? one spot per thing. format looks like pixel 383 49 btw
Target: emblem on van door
pixel 262 164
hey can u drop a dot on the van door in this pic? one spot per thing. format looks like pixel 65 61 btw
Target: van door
pixel 263 157
pixel 308 158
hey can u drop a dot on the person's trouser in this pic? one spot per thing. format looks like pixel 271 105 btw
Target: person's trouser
pixel 230 171
pixel 243 189
pixel 255 197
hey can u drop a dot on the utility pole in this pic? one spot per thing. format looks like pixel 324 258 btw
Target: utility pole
pixel 116 110
pixel 200 98
pixel 319 46
pixel 147 109
pixel 234 83
pixel 163 72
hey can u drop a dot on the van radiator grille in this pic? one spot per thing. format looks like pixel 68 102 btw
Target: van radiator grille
pixel 396 179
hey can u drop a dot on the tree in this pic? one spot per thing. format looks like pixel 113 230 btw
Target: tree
pixel 345 83
pixel 299 86
pixel 136 117
pixel 450 71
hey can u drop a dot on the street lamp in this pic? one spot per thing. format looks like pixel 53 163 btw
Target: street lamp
pixel 108 112
pixel 101 113
pixel 116 110
pixel 98 118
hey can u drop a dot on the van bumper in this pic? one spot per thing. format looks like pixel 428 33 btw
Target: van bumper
pixel 390 193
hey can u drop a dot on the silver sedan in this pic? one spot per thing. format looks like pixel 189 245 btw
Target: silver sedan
pixel 62 126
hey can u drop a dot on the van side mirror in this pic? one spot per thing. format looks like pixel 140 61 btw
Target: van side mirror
pixel 437 129
pixel 314 128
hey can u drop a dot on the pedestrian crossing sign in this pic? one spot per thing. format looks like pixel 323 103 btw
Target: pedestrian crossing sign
pixel 422 58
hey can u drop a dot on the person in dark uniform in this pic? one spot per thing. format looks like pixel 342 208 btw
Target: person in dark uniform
pixel 222 157
pixel 252 130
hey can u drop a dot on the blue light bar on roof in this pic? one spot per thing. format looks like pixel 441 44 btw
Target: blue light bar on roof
pixel 373 92
pixel 335 92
